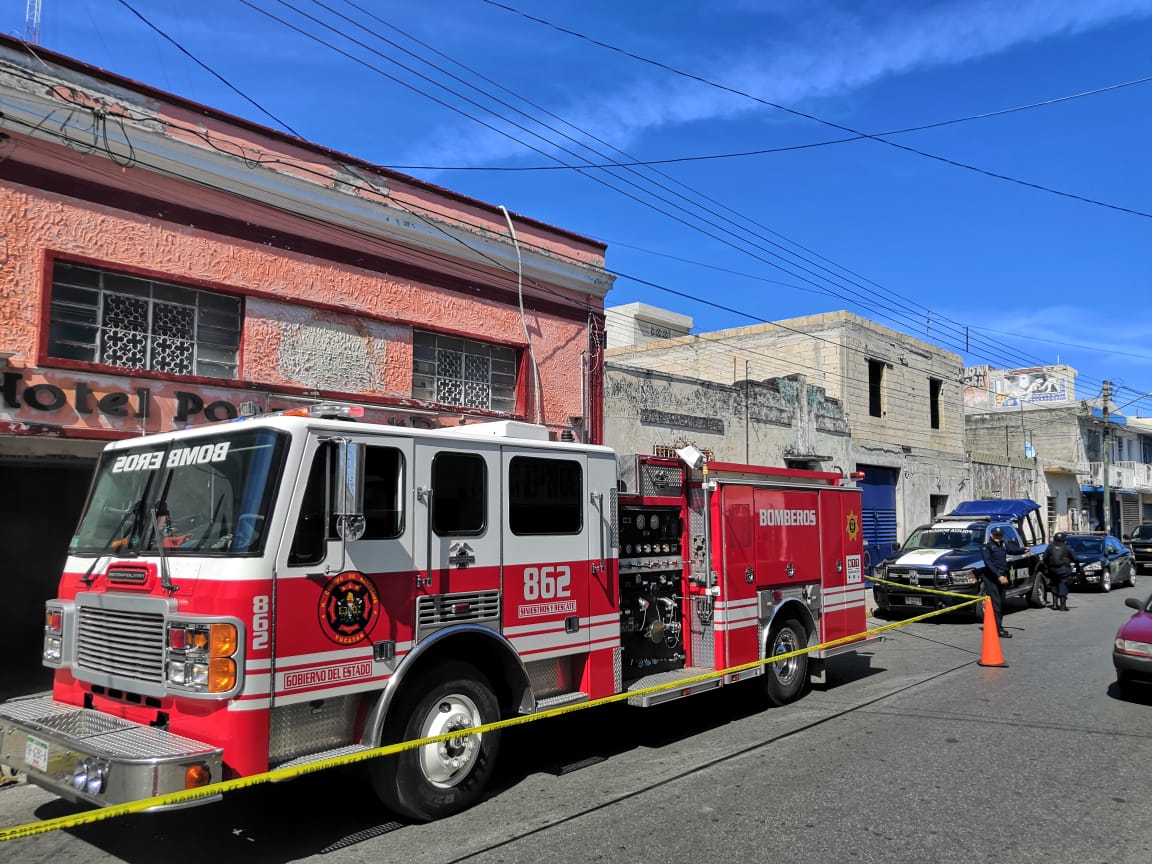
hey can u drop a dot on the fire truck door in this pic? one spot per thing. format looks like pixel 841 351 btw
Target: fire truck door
pixel 457 534
pixel 551 531
pixel 335 599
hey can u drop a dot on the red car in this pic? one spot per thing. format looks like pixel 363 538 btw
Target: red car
pixel 1132 653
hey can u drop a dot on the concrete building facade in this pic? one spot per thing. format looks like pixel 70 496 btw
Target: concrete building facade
pixel 899 396
pixel 1058 445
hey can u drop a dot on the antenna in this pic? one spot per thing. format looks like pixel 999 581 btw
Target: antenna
pixel 32 22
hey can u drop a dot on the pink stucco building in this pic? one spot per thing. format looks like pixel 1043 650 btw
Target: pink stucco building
pixel 164 264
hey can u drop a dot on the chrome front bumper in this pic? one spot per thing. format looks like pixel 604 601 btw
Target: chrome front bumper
pixel 48 740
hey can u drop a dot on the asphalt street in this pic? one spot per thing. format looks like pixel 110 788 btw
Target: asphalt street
pixel 910 753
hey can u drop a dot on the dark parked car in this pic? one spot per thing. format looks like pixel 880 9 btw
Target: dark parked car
pixel 1132 652
pixel 1101 562
pixel 1140 542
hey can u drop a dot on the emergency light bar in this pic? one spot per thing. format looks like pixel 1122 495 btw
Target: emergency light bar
pixel 327 410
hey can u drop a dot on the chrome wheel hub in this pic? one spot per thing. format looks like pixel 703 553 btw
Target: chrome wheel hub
pixel 448 762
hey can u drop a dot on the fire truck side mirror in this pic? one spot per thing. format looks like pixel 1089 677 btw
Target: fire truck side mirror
pixel 349 497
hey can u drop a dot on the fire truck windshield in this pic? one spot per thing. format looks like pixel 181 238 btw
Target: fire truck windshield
pixel 202 495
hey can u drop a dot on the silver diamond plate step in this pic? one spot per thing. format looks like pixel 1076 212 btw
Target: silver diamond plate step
pixel 671 693
pixel 334 753
pixel 560 700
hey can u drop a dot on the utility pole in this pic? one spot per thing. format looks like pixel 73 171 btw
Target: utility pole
pixel 1107 461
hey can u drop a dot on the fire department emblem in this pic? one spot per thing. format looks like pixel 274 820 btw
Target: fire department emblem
pixel 853 526
pixel 349 607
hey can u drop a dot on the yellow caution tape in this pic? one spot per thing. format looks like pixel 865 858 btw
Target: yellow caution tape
pixel 281 774
pixel 925 590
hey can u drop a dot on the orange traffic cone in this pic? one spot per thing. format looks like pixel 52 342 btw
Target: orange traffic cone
pixel 990 654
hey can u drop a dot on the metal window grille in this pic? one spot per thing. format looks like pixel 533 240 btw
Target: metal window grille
pixel 463 372
pixel 129 322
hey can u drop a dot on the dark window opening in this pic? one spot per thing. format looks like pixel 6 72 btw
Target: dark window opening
pixel 935 385
pixel 545 496
pixel 876 388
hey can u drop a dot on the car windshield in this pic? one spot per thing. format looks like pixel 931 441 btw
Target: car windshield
pixel 209 494
pixel 1086 545
pixel 1142 532
pixel 946 537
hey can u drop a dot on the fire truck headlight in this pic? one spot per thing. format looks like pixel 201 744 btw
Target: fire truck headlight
pixel 201 656
pixel 53 654
pixel 53 648
pixel 89 777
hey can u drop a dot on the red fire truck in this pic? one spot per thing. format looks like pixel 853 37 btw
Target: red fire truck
pixel 273 592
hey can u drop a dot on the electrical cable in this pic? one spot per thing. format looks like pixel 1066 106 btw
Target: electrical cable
pixel 796 112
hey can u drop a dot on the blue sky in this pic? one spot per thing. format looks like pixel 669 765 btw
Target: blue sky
pixel 939 251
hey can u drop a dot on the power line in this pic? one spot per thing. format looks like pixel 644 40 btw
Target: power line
pixel 870 303
pixel 753 317
pixel 796 112
pixel 766 151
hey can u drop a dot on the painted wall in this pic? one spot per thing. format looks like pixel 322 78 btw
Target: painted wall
pixel 310 324
pixel 758 422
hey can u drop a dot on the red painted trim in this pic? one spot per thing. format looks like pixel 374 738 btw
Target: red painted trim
pixel 45 305
pixel 339 160
pixel 187 217
pixel 47 362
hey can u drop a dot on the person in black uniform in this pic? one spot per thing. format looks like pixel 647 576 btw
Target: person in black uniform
pixel 1059 562
pixel 995 575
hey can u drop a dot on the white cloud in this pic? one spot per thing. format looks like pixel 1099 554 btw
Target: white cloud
pixel 827 53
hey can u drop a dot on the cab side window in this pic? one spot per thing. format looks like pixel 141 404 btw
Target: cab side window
pixel 312 530
pixel 459 494
pixel 545 496
pixel 383 495
pixel 1012 539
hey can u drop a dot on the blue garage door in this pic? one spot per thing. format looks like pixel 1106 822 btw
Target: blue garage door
pixel 878 493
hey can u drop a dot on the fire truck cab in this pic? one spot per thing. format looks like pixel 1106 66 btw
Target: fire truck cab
pixel 268 593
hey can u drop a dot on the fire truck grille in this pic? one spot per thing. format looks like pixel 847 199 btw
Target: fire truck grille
pixel 127 644
pixel 444 609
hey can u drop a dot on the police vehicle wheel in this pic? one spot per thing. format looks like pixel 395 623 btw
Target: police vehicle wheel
pixel 785 680
pixel 1036 595
pixel 1105 580
pixel 443 778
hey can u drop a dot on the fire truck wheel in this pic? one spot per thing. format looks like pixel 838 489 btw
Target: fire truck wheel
pixel 440 779
pixel 785 680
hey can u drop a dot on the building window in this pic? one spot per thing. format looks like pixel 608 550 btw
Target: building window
pixel 876 388
pixel 129 322
pixel 938 505
pixel 454 371
pixel 935 385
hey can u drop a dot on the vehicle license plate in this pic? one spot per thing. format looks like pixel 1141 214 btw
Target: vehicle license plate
pixel 36 754
pixel 912 601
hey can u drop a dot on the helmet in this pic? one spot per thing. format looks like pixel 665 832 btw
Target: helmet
pixel 1059 537
pixel 997 531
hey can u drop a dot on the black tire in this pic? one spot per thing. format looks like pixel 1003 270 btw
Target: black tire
pixel 786 680
pixel 1105 580
pixel 1036 595
pixel 438 780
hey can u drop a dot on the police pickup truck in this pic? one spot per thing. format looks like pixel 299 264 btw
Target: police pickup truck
pixel 947 555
